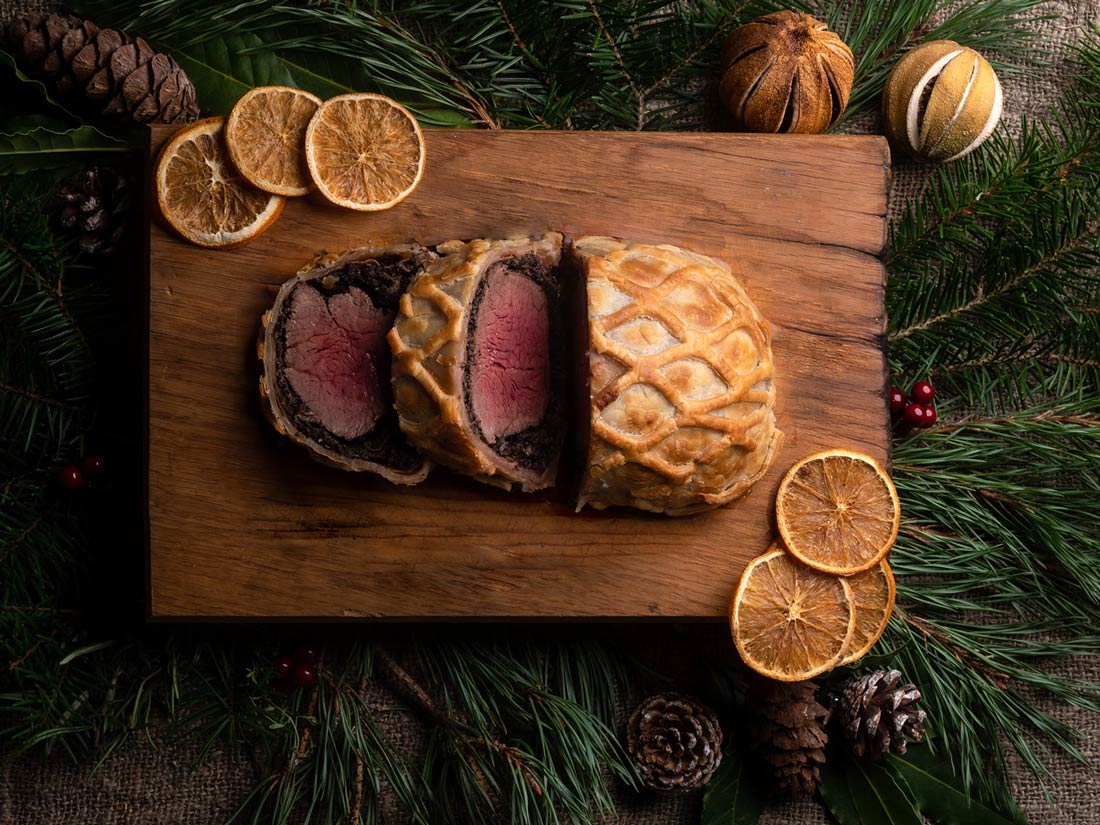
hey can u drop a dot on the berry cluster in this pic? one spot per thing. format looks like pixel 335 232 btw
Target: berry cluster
pixel 914 411
pixel 75 477
pixel 298 670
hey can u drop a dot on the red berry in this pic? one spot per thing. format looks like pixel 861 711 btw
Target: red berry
pixel 307 654
pixel 93 465
pixel 304 676
pixel 71 478
pixel 922 393
pixel 914 414
pixel 930 416
pixel 282 667
pixel 897 401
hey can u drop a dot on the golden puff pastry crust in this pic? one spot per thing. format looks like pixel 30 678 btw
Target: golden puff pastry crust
pixel 429 344
pixel 682 382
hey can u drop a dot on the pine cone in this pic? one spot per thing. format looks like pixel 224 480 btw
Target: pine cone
pixel 96 204
pixel 675 742
pixel 877 716
pixel 119 73
pixel 787 730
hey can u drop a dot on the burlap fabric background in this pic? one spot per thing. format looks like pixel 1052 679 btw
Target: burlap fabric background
pixel 156 784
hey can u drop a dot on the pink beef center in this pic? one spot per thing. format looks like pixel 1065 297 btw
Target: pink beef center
pixel 337 358
pixel 510 384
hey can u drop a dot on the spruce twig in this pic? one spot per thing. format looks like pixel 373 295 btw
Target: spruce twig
pixel 603 64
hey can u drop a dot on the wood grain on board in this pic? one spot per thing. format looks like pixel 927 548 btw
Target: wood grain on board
pixel 242 524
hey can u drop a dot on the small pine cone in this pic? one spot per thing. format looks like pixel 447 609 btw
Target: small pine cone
pixel 787 731
pixel 877 716
pixel 96 205
pixel 119 73
pixel 675 742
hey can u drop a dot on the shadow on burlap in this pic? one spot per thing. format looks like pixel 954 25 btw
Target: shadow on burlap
pixel 159 785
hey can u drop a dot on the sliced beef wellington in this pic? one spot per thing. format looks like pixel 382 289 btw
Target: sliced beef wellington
pixel 479 357
pixel 326 364
pixel 681 380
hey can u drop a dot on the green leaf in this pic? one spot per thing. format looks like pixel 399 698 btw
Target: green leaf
pixel 939 794
pixel 35 89
pixel 865 793
pixel 225 67
pixel 325 75
pixel 44 146
pixel 37 132
pixel 732 798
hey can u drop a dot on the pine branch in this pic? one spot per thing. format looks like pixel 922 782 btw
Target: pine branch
pixel 1005 303
pixel 879 34
pixel 596 64
pixel 994 270
pixel 996 566
pixel 45 360
pixel 506 739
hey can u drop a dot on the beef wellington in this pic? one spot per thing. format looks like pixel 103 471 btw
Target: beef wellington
pixel 478 360
pixel 325 379
pixel 681 380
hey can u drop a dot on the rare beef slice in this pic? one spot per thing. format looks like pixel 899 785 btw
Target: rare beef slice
pixel 326 363
pixel 478 360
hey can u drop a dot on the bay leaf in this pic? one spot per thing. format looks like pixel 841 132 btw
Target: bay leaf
pixel 732 797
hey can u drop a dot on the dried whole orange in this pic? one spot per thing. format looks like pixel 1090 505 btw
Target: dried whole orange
pixel 265 134
pixel 789 621
pixel 786 72
pixel 873 591
pixel 364 151
pixel 838 511
pixel 203 197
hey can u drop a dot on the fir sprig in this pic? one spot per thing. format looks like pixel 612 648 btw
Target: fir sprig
pixel 880 33
pixel 45 360
pixel 572 64
pixel 994 270
pixel 503 736
pixel 990 289
pixel 994 292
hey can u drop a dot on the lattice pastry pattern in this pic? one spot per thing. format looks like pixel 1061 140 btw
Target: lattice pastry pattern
pixel 682 380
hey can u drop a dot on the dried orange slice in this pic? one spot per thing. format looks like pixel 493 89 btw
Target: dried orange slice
pixel 789 621
pixel 202 196
pixel 364 151
pixel 874 592
pixel 838 511
pixel 265 134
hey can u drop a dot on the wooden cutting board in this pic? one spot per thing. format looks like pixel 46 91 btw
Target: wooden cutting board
pixel 242 524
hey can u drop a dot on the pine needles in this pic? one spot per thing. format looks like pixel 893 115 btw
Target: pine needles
pixel 879 33
pixel 565 64
pixel 501 740
pixel 995 287
pixel 994 292
pixel 45 361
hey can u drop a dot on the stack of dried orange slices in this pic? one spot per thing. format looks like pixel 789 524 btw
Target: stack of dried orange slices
pixel 823 595
pixel 222 182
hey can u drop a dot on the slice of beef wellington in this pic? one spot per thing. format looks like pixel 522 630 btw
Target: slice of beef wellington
pixel 479 360
pixel 325 382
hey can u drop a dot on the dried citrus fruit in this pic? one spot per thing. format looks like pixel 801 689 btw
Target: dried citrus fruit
pixel 789 621
pixel 364 151
pixel 265 135
pixel 873 591
pixel 203 197
pixel 838 511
